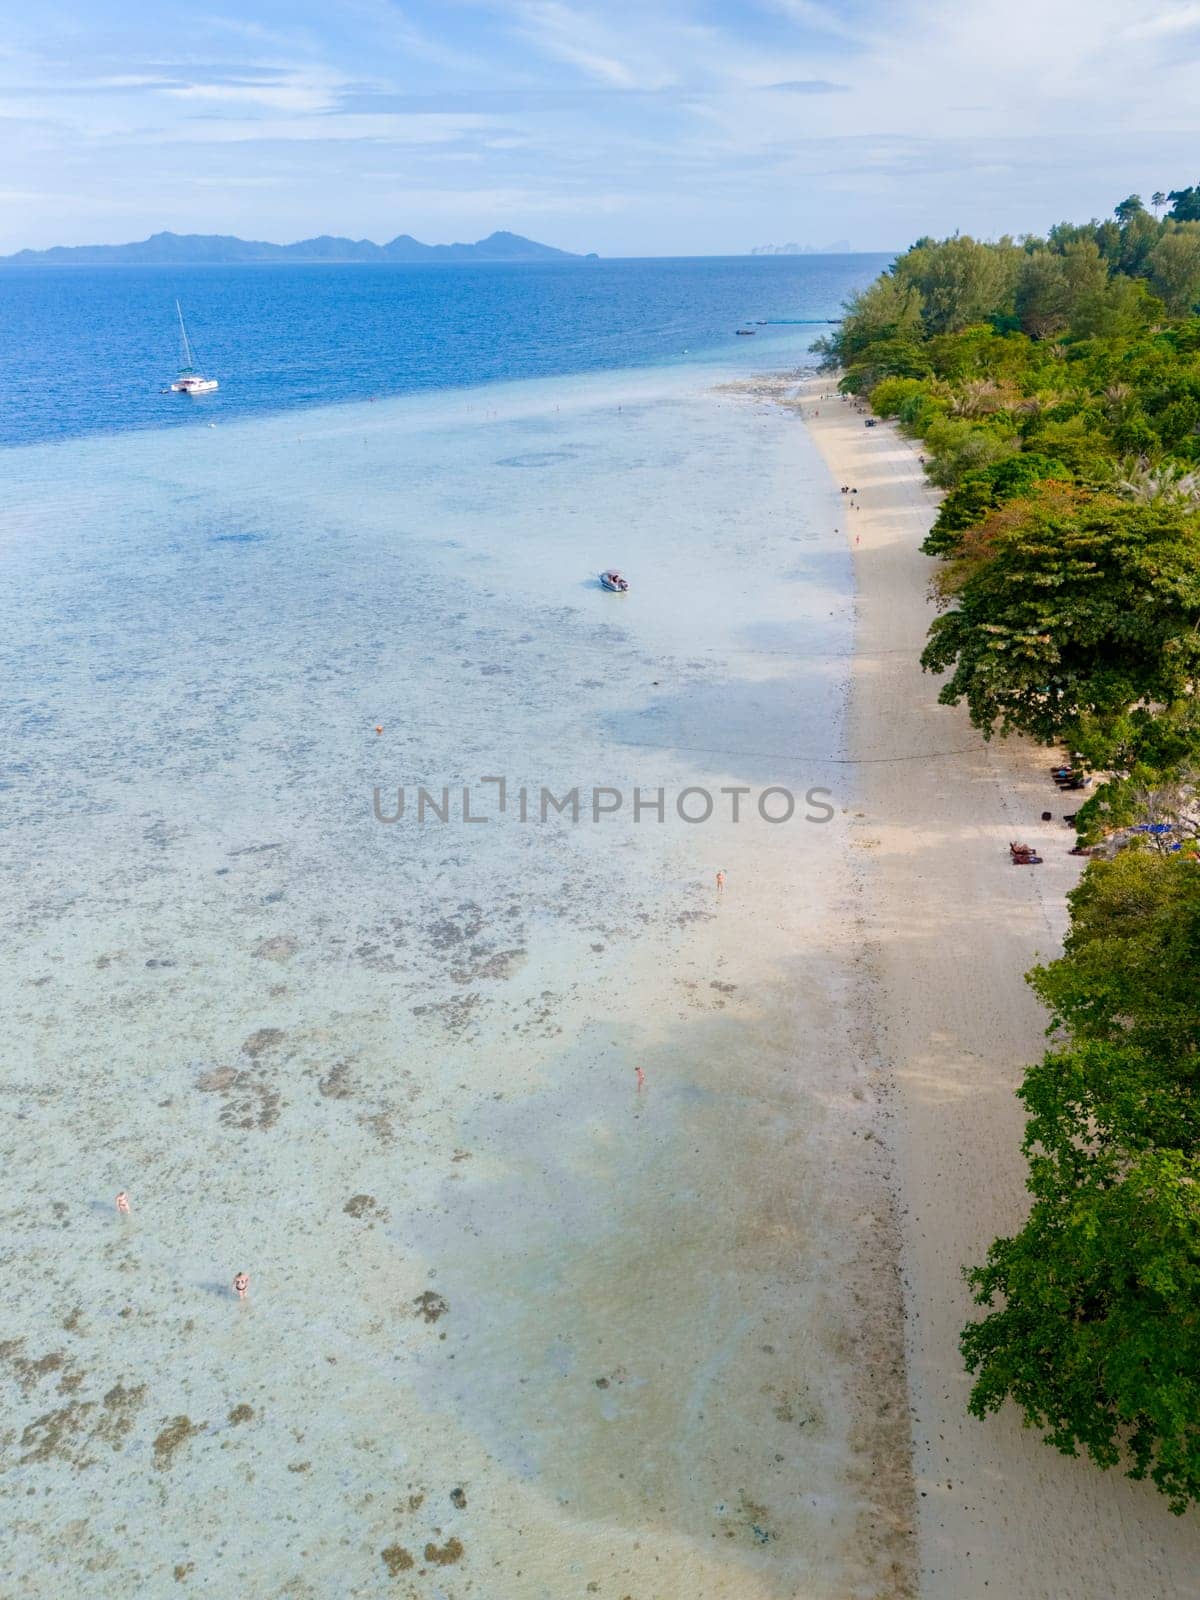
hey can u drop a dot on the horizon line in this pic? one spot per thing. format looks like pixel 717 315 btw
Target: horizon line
pixel 442 250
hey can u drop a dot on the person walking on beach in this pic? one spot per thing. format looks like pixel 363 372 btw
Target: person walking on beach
pixel 240 1284
pixel 123 1203
pixel 720 883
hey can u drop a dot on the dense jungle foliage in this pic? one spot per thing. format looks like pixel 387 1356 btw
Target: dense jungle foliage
pixel 1055 386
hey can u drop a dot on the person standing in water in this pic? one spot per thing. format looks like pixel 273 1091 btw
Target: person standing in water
pixel 641 1078
pixel 123 1203
pixel 240 1284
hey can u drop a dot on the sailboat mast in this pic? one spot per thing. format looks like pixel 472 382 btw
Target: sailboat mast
pixel 189 380
pixel 187 349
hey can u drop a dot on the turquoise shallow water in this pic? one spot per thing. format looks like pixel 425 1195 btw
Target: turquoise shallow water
pixel 389 1069
pixel 179 603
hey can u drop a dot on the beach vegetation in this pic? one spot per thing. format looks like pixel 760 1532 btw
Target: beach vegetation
pixel 1028 367
pixel 1091 1323
pixel 920 411
pixel 1068 607
pixel 884 339
pixel 982 491
pixel 1054 384
pixel 889 394
pixel 1185 205
pixel 957 448
pixel 1175 268
pixel 958 281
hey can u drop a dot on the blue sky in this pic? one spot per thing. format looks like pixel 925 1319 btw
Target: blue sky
pixel 660 127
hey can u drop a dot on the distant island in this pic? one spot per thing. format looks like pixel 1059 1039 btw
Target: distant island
pixel 198 249
pixel 839 247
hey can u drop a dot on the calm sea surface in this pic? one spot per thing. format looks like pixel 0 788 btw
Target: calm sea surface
pixel 89 350
pixel 506 1306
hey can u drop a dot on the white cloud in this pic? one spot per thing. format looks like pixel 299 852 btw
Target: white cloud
pixel 880 118
pixel 228 182
pixel 1175 19
pixel 579 39
pixel 272 97
pixel 821 18
pixel 431 129
pixel 506 202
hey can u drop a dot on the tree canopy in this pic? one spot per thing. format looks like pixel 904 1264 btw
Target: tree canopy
pixel 1070 608
pixel 1055 386
pixel 1092 1327
pixel 1185 204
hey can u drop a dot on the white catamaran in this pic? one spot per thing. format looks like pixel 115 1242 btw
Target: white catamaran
pixel 189 380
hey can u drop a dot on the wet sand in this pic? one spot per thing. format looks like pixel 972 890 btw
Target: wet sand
pixel 949 928
pixel 514 1328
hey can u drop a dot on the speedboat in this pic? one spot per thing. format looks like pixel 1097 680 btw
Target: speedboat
pixel 745 333
pixel 614 582
pixel 189 380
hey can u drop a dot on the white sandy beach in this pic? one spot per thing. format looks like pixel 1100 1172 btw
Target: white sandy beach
pixel 948 929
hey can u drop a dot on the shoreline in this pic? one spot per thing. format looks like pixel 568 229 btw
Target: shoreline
pixel 949 929
pixel 506 1303
pixel 697 1340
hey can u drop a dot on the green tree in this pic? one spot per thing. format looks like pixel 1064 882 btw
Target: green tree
pixel 1139 235
pixel 1043 295
pixel 1095 1335
pixel 1063 234
pixel 1070 608
pixel 958 447
pixel 1120 309
pixel 1108 236
pixel 889 395
pixel 1185 204
pixel 1056 386
pixel 1071 435
pixel 960 280
pixel 1128 976
pixel 1092 1327
pixel 1152 752
pixel 1086 271
pixel 1175 268
pixel 879 336
pixel 982 491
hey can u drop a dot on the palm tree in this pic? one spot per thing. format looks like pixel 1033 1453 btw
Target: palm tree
pixel 980 397
pixel 1164 484
pixel 1036 405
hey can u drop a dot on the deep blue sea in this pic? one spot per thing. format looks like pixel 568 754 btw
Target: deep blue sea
pixel 89 350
